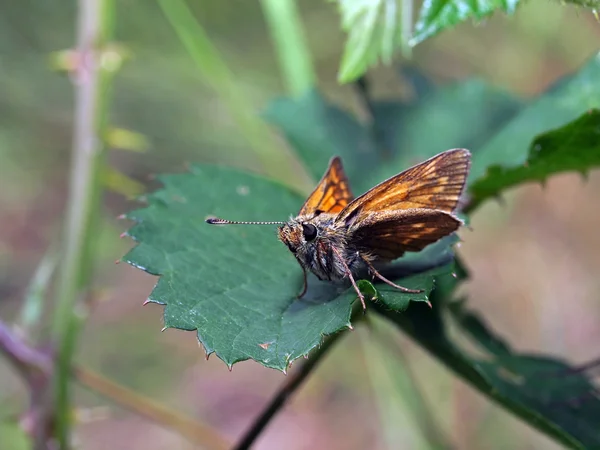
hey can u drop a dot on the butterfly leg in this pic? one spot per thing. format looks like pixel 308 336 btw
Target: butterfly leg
pixel 385 280
pixel 349 273
pixel 305 287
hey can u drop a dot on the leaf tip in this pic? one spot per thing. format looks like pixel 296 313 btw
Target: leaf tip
pixel 349 326
pixel 122 216
pixel 123 234
pixel 163 329
pixel 117 261
pixel 146 302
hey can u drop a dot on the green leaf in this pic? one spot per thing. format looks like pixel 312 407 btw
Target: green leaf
pixel 573 147
pixel 561 104
pixel 437 15
pixel 237 285
pixel 373 28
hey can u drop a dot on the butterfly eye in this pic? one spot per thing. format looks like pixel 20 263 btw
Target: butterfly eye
pixel 309 231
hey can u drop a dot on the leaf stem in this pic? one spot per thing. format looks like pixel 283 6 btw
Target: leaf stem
pixel 290 386
pixel 93 81
pixel 294 57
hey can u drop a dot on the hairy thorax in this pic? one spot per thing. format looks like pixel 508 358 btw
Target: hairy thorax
pixel 320 245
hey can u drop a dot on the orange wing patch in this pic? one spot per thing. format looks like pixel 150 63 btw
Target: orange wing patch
pixel 332 194
pixel 435 184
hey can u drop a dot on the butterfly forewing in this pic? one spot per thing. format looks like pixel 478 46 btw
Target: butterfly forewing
pixel 434 184
pixel 332 194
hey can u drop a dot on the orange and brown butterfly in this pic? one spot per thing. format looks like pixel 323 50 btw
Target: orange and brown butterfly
pixel 336 236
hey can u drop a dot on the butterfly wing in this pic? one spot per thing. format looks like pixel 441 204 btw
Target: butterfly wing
pixel 332 194
pixel 434 184
pixel 402 231
pixel 410 210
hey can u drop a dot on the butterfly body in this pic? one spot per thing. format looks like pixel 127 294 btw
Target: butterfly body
pixel 335 236
pixel 316 241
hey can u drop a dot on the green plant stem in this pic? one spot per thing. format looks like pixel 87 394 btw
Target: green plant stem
pixel 215 72
pixel 290 386
pixel 293 54
pixel 92 93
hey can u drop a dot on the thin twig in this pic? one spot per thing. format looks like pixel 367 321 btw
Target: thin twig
pixel 292 383
pixel 25 359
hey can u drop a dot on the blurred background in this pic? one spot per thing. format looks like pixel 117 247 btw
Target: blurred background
pixel 534 260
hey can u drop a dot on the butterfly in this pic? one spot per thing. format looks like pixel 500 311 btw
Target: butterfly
pixel 336 236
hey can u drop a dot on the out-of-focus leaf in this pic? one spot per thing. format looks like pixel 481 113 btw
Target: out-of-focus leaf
pixel 373 28
pixel 437 15
pixel 561 104
pixel 573 147
pixel 123 139
pixel 122 184
pixel 461 115
pixel 237 285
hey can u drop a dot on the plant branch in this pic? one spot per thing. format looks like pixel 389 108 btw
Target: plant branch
pixel 290 386
pixel 36 368
pixel 196 432
pixel 93 80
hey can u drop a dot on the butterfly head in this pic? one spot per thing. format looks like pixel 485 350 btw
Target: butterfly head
pixel 297 235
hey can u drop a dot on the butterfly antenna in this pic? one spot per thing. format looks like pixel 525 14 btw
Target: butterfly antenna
pixel 217 221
